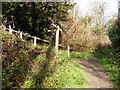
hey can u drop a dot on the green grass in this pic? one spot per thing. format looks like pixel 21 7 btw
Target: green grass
pixel 82 55
pixel 68 74
pixel 42 47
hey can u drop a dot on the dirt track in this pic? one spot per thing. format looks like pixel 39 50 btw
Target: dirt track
pixel 98 76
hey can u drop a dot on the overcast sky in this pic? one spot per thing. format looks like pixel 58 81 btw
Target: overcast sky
pixel 84 6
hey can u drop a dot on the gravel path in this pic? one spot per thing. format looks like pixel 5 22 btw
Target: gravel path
pixel 98 76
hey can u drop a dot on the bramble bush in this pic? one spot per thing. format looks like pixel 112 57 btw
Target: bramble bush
pixel 16 59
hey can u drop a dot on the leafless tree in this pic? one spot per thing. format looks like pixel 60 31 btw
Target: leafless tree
pixel 98 9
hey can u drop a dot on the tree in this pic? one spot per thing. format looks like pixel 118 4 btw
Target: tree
pixel 36 17
pixel 114 33
pixel 84 32
pixel 98 9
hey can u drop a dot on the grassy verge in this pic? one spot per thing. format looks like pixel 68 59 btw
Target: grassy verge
pixel 68 74
pixel 107 61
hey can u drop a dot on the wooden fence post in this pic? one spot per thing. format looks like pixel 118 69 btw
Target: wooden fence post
pixel 21 35
pixel 68 50
pixel 35 41
pixel 57 39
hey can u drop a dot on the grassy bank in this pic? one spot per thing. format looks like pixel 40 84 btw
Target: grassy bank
pixel 68 74
pixel 26 66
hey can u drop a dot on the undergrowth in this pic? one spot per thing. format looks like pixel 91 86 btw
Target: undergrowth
pixel 16 60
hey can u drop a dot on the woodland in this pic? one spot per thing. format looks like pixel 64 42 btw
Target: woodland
pixel 58 47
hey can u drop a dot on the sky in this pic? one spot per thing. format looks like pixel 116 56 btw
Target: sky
pixel 84 7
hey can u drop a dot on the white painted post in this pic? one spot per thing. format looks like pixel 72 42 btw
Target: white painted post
pixel 21 35
pixel 10 31
pixel 68 49
pixel 9 26
pixel 57 39
pixel 35 41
